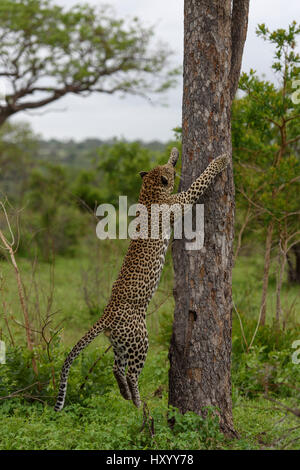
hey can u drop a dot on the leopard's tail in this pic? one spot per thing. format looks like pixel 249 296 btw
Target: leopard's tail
pixel 82 343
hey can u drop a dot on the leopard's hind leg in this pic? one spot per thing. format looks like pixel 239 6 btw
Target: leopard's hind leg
pixel 136 361
pixel 121 357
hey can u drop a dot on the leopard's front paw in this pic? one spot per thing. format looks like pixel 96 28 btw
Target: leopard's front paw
pixel 221 162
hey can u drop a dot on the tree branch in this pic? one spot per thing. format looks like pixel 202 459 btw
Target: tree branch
pixel 83 51
pixel 292 141
pixel 239 26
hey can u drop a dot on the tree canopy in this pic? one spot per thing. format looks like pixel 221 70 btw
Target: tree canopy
pixel 265 130
pixel 47 51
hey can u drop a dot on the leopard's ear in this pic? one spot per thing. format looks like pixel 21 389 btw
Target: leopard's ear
pixel 143 173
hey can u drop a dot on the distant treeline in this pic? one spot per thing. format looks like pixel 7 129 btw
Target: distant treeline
pixel 80 154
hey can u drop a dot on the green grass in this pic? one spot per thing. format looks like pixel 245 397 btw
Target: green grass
pixel 247 290
pixel 106 421
pixel 68 299
pixel 97 417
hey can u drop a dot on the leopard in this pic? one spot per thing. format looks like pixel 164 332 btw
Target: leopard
pixel 124 318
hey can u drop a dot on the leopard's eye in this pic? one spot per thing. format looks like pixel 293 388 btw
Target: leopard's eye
pixel 164 180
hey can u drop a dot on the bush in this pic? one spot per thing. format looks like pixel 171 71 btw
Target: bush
pixel 17 377
pixel 260 371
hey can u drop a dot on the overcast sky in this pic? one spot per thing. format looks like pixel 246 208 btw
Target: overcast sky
pixel 105 116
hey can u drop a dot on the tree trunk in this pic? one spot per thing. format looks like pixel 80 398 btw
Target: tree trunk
pixel 200 350
pixel 281 268
pixel 3 118
pixel 294 268
pixel 263 308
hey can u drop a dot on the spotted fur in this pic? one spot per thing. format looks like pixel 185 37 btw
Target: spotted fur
pixel 123 320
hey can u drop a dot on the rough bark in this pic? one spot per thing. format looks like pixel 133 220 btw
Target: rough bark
pixel 200 350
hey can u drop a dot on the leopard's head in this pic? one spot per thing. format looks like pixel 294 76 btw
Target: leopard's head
pixel 162 177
